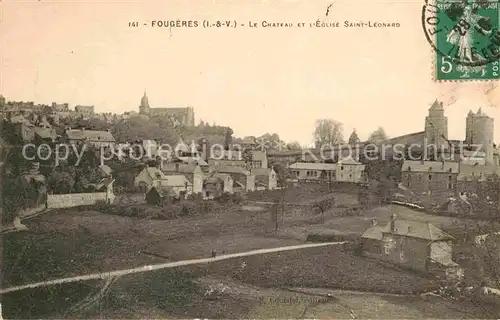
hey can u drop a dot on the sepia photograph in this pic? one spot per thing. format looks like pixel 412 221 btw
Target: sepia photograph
pixel 257 159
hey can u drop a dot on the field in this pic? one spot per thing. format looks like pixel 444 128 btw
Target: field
pixel 73 242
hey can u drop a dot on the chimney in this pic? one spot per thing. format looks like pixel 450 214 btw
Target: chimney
pixel 393 222
pixel 374 222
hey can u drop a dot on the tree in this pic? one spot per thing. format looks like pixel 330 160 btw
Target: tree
pixel 61 182
pixel 378 135
pixel 353 138
pixel 328 131
pixel 293 146
pixel 228 138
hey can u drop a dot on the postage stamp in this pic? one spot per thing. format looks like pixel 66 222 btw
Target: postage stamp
pixel 465 37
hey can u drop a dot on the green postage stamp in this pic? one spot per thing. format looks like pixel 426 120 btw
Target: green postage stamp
pixel 465 37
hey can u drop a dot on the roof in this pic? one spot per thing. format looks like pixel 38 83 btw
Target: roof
pixel 436 106
pixel 237 184
pixel 374 232
pixel 261 171
pixel 263 180
pixel 213 180
pixel 222 176
pixel 176 180
pixel 480 172
pixel 258 155
pixel 233 169
pixel 194 160
pixel 430 166
pixel 179 167
pixel 417 229
pixel 46 133
pixel 92 135
pixel 348 161
pixel 106 169
pixel 313 166
pixel 155 173
pixel 102 183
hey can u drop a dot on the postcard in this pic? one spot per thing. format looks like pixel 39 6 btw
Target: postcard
pixel 331 159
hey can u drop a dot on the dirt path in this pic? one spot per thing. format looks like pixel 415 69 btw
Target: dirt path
pixel 115 273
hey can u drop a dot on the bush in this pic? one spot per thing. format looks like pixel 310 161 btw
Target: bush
pixel 239 198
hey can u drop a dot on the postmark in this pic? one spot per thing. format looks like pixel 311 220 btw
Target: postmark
pixel 465 37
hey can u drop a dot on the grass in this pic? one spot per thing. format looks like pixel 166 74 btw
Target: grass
pixel 45 302
pixel 325 267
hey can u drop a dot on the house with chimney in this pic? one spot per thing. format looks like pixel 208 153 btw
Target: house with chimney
pixel 417 245
pixel 193 173
pixel 99 139
pixel 432 182
pixel 243 180
pixel 265 178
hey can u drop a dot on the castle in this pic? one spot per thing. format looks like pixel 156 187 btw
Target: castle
pixel 184 115
pixel 479 132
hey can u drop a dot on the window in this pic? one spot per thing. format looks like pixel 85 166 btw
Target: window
pixel 350 176
pixel 386 249
pixel 341 167
pixel 430 177
pixel 450 186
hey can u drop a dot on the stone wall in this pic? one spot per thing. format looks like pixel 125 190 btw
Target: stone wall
pixel 74 199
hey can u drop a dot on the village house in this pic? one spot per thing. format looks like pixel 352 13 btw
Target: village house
pixel 304 171
pixel 159 196
pixel 180 185
pixel 256 158
pixel 417 245
pixel 104 171
pixel 474 178
pixel 99 139
pixel 150 177
pixel 350 170
pixel 265 178
pixel 227 182
pixel 433 182
pixel 213 187
pixel 191 171
pixel 85 111
pixel 243 179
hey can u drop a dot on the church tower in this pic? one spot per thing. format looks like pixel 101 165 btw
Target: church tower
pixel 436 126
pixel 144 107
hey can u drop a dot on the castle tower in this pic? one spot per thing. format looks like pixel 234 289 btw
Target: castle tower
pixel 480 131
pixel 144 107
pixel 436 126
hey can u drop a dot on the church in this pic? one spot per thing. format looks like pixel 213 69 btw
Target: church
pixel 184 115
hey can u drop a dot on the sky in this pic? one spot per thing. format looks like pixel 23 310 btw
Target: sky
pixel 255 80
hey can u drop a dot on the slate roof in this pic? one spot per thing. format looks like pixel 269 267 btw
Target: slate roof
pixel 313 166
pixel 155 173
pixel 182 167
pixel 222 176
pixel 261 172
pixel 106 169
pixel 409 228
pixel 46 133
pixel 233 169
pixel 177 180
pixel 430 166
pixel 349 161
pixel 92 135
